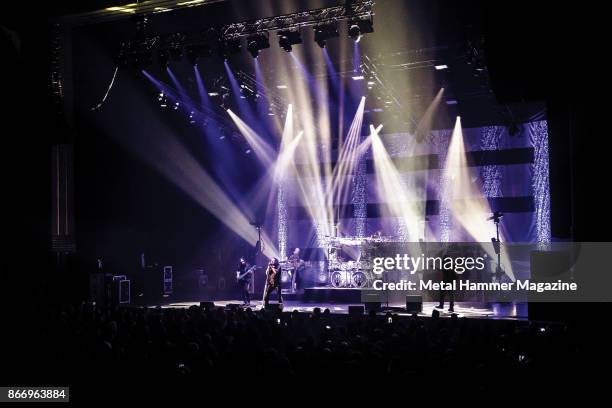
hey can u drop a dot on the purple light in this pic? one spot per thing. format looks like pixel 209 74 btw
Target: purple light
pixel 204 96
pixel 243 106
pixel 182 92
pixel 262 103
pixel 356 58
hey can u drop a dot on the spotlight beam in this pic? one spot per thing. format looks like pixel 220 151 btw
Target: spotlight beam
pixel 177 84
pixel 401 196
pixel 467 204
pixel 264 152
pixel 347 159
pixel 173 161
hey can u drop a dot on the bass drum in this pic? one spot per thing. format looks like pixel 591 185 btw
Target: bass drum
pixel 359 279
pixel 338 279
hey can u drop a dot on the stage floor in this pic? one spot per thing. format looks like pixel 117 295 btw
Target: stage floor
pixel 510 311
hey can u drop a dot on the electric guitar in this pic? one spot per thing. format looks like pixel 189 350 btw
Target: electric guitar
pixel 239 276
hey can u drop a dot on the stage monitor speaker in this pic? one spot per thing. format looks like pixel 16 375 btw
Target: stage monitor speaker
pixel 232 306
pixel 414 303
pixel 207 305
pixel 371 300
pixel 375 306
pixel 356 310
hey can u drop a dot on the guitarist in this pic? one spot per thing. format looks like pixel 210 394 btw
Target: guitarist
pixel 243 276
pixel 273 281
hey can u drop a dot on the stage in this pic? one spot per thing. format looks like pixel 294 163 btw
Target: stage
pixel 472 310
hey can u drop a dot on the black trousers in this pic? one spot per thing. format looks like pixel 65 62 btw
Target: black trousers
pixel 268 291
pixel 451 298
pixel 244 290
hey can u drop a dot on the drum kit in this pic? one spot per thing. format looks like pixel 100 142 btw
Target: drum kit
pixel 350 273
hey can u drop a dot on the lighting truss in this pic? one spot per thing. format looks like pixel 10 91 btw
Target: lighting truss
pixel 294 21
pixel 138 51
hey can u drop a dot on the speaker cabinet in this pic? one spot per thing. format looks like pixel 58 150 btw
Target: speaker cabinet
pixel 414 303
pixel 356 310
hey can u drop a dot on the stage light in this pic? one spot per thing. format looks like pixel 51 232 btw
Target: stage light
pixel 194 52
pixel 189 2
pixel 440 67
pixel 228 47
pixel 248 151
pixel 358 78
pixel 253 49
pixel 287 38
pixel 283 41
pixel 176 53
pixel 281 86
pixel 451 102
pixel 213 94
pixel 124 9
pixel 164 58
pixel 357 28
pixel 323 32
pixel 257 42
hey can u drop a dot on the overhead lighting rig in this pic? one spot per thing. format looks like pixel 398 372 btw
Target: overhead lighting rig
pixel 227 40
